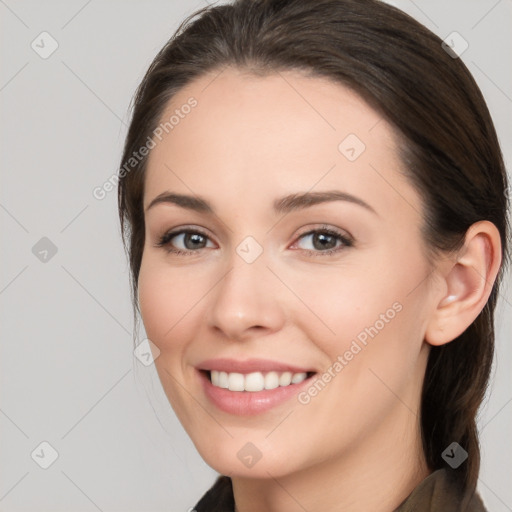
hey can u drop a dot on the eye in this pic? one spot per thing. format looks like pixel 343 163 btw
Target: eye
pixel 192 239
pixel 326 241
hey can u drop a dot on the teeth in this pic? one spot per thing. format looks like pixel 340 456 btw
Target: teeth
pixel 271 380
pixel 298 377
pixel 285 379
pixel 255 381
pixel 223 380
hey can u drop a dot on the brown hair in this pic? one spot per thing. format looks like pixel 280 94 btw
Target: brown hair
pixel 449 148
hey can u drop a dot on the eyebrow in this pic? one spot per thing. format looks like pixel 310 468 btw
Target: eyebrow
pixel 287 204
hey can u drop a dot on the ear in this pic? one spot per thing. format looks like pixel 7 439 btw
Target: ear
pixel 468 279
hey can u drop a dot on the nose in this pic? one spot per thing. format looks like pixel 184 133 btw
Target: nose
pixel 246 302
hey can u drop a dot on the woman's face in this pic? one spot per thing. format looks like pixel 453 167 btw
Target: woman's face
pixel 334 284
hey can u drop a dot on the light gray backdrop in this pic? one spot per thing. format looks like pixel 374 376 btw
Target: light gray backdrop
pixel 69 378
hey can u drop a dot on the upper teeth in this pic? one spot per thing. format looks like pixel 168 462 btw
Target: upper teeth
pixel 255 381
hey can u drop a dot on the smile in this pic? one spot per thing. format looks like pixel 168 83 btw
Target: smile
pixel 249 391
pixel 255 381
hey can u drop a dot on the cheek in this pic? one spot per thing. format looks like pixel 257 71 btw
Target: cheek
pixel 164 300
pixel 378 302
pixel 167 309
pixel 341 303
pixel 154 300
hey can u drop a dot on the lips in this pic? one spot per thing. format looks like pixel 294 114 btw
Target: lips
pixel 231 397
pixel 251 365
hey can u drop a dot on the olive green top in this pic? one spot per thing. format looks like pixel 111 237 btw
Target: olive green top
pixel 436 493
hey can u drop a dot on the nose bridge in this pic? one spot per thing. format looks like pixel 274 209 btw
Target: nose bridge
pixel 247 295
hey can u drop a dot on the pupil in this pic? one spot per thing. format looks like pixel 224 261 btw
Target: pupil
pixel 195 237
pixel 323 237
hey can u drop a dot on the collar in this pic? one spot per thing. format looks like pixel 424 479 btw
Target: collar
pixel 438 492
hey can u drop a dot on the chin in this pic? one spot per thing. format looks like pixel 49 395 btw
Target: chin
pixel 245 460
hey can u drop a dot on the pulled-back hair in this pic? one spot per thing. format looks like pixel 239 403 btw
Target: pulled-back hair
pixel 448 145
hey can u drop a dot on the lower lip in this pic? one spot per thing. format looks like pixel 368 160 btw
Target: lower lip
pixel 248 403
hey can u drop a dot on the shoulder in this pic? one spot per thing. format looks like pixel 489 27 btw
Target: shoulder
pixel 436 493
pixel 439 493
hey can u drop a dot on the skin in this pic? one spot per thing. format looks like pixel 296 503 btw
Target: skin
pixel 356 445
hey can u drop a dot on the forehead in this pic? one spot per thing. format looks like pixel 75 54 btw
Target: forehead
pixel 250 136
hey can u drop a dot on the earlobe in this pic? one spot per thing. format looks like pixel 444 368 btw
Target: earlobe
pixel 468 281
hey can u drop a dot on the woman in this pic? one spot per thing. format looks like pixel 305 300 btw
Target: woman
pixel 316 225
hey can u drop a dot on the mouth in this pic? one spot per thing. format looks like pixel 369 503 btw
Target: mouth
pixel 255 382
pixel 248 394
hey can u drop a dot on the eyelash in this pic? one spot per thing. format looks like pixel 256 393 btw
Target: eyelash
pixel 165 239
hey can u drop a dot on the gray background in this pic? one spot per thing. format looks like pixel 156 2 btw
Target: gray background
pixel 68 375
